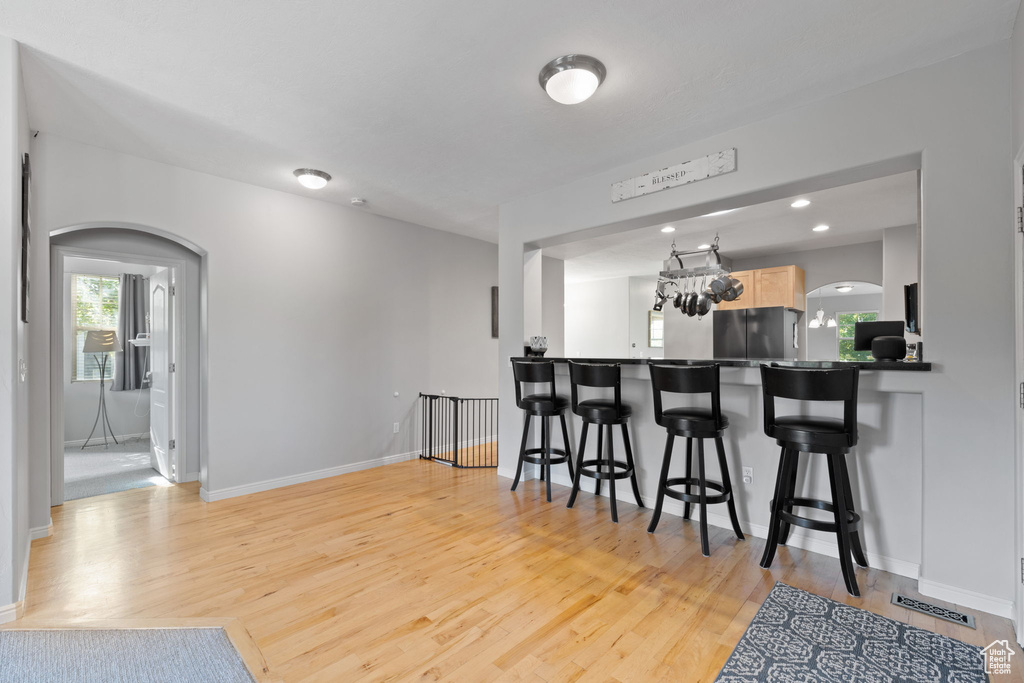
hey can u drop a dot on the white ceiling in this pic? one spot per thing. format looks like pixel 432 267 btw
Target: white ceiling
pixel 855 214
pixel 432 110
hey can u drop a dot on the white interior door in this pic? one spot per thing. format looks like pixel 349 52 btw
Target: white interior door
pixel 162 378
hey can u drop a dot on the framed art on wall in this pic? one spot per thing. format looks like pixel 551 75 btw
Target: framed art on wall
pixel 26 234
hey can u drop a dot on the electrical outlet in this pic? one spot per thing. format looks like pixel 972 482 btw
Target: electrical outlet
pixel 748 475
pixel 396 428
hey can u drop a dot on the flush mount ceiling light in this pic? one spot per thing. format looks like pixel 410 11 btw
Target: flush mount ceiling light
pixel 668 228
pixel 801 203
pixel 844 288
pixel 571 79
pixel 820 228
pixel 311 178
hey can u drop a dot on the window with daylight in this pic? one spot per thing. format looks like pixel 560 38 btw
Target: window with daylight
pixel 94 301
pixel 656 329
pixel 846 323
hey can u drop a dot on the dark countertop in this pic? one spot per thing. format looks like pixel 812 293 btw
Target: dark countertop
pixel 751 363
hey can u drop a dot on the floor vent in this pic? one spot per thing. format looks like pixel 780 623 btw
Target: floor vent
pixel 933 610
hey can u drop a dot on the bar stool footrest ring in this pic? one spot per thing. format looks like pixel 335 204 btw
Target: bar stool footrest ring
pixel 535 455
pixel 852 518
pixel 721 497
pixel 622 469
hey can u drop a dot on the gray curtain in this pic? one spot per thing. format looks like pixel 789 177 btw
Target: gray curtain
pixel 130 364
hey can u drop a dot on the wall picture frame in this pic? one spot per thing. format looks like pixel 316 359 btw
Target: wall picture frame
pixel 26 234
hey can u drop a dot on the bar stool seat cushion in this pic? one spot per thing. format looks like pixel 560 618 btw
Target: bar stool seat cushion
pixel 542 404
pixel 602 410
pixel 822 432
pixel 691 419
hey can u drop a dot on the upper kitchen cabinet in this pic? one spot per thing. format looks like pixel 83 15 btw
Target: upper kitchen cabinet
pixel 782 286
pixel 746 299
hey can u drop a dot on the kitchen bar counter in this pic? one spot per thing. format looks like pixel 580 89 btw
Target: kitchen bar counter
pixel 752 363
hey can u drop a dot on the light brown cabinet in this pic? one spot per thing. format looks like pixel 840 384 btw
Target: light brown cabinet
pixel 781 286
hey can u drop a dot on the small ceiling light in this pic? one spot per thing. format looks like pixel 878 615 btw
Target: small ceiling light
pixel 357 201
pixel 820 228
pixel 571 79
pixel 311 178
pixel 801 203
pixel 703 246
pixel 844 288
pixel 718 213
pixel 668 228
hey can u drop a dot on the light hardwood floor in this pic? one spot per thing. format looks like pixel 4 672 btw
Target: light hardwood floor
pixel 417 571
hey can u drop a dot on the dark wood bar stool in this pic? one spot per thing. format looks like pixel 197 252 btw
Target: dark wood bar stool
pixel 605 413
pixel 828 436
pixel 693 423
pixel 544 405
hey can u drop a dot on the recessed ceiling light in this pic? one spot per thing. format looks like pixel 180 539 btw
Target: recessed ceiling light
pixel 718 213
pixel 311 178
pixel 571 79
pixel 844 288
pixel 801 203
pixel 703 246
pixel 357 201
pixel 668 228
pixel 820 228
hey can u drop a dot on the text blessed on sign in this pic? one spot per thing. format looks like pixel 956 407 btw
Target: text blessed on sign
pixel 674 176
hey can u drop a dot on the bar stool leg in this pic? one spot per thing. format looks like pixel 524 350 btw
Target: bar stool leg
pixel 545 444
pixel 661 484
pixel 522 450
pixel 704 546
pixel 776 505
pixel 600 455
pixel 842 528
pixel 632 465
pixel 611 478
pixel 568 447
pixel 689 474
pixel 789 493
pixel 579 466
pixel 727 484
pixel 858 550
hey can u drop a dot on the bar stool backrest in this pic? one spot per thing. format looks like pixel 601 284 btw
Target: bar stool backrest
pixel 687 379
pixel 808 384
pixel 604 375
pixel 533 372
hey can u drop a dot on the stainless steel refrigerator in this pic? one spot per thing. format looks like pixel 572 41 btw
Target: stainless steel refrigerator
pixel 761 333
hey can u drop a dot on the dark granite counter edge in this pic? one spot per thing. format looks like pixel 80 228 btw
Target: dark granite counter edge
pixel 752 363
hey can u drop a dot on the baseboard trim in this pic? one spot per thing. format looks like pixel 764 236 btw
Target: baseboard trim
pixel 41 531
pixel 966 598
pixel 9 613
pixel 257 487
pixel 119 437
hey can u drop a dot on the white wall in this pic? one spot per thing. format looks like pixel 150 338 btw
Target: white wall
pixel 597 319
pixel 14 348
pixel 942 118
pixel 553 305
pixel 369 306
pixel 641 296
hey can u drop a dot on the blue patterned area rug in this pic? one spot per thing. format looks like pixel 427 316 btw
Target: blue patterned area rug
pixel 798 637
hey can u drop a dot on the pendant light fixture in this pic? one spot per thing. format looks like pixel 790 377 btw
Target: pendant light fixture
pixel 571 79
pixel 819 318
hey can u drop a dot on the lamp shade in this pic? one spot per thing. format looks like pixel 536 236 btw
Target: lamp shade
pixel 101 341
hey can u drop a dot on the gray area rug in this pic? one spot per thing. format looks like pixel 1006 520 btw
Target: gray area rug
pixel 799 636
pixel 98 470
pixel 181 655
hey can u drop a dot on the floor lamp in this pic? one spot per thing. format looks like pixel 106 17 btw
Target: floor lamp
pixel 101 342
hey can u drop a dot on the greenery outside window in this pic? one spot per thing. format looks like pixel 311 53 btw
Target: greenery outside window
pixel 847 321
pixel 656 329
pixel 94 306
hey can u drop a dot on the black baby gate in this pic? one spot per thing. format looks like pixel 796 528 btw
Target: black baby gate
pixel 460 432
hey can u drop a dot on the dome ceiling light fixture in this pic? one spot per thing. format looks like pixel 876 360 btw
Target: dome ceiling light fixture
pixel 311 178
pixel 571 79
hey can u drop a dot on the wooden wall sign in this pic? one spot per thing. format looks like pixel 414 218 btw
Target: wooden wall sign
pixel 681 174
